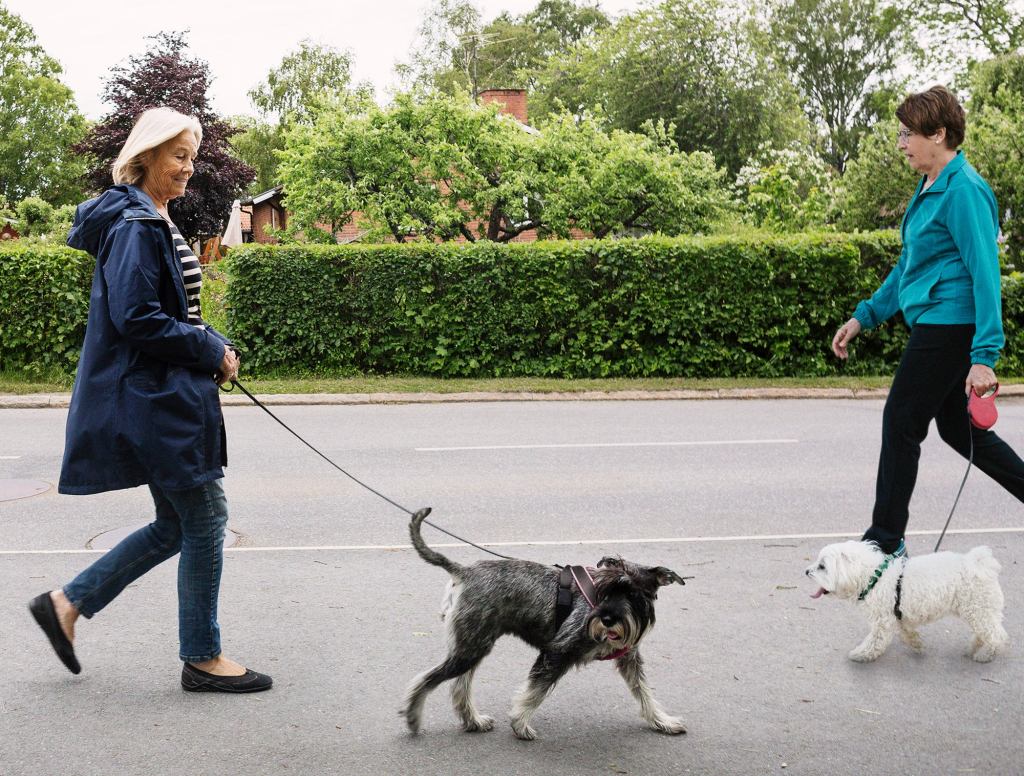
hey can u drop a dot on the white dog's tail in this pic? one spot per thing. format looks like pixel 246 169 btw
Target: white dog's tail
pixel 981 561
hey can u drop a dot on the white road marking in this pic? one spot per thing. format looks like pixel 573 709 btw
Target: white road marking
pixel 613 444
pixel 9 457
pixel 558 543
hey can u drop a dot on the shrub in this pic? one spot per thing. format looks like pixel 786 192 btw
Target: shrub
pixel 44 304
pixel 713 306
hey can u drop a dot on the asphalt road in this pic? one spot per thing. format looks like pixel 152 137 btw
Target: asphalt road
pixel 323 593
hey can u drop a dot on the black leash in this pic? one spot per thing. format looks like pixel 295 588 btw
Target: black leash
pixel 356 480
pixel 970 462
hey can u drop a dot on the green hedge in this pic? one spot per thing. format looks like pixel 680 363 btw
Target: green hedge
pixel 653 307
pixel 44 304
pixel 682 307
pixel 1011 362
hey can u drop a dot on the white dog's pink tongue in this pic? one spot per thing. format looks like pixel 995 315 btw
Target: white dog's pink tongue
pixel 819 594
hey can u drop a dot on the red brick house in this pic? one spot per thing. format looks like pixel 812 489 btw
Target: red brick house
pixel 267 208
pixel 260 211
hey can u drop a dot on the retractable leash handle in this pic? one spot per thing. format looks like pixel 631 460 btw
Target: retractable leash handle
pixel 982 409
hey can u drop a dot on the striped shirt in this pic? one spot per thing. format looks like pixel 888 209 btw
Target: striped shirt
pixel 193 275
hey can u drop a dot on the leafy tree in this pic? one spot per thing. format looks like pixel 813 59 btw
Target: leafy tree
pixel 36 218
pixel 607 183
pixel 694 65
pixel 958 32
pixel 440 168
pixel 256 143
pixel 838 51
pixel 165 75
pixel 877 185
pixel 447 43
pixel 994 140
pixel 306 79
pixel 787 189
pixel 443 168
pixel 458 53
pixel 39 120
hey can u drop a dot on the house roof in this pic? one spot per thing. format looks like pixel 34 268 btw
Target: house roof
pixel 263 196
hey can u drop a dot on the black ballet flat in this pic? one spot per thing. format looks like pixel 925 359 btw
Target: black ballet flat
pixel 46 615
pixel 194 680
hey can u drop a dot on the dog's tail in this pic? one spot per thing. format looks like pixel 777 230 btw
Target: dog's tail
pixel 429 555
pixel 981 561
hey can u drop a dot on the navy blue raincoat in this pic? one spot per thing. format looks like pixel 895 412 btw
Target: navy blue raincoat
pixel 145 406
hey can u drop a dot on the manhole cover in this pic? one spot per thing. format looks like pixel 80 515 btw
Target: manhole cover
pixel 108 539
pixel 12 489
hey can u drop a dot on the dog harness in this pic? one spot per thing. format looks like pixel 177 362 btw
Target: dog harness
pixel 899 581
pixel 899 592
pixel 563 601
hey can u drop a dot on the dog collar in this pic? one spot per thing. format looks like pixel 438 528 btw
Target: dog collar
pixel 616 654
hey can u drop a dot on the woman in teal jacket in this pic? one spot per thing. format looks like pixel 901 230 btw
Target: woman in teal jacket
pixel 946 283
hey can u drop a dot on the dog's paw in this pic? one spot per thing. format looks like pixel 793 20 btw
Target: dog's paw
pixel 480 724
pixel 412 720
pixel 863 656
pixel 913 640
pixel 672 726
pixel 984 654
pixel 524 732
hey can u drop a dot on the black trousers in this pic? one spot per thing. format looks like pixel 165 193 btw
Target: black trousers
pixel 929 383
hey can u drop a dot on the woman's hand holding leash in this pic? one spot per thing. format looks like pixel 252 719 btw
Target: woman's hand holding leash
pixel 846 332
pixel 981 379
pixel 228 367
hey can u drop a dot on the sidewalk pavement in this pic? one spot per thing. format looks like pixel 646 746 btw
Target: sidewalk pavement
pixel 61 400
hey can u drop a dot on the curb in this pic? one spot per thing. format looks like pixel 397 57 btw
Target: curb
pixel 62 400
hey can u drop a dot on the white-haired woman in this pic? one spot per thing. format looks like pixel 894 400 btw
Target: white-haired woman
pixel 145 408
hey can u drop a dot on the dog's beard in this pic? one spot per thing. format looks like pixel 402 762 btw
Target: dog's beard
pixel 626 632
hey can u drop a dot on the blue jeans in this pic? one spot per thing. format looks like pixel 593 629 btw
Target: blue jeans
pixel 187 521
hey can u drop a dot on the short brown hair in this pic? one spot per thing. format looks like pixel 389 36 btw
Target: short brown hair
pixel 927 112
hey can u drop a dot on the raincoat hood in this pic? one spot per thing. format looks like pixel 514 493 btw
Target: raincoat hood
pixel 93 216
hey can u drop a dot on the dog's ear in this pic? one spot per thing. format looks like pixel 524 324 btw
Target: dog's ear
pixel 666 576
pixel 610 562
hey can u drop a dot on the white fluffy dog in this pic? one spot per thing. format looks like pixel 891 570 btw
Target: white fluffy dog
pixel 913 592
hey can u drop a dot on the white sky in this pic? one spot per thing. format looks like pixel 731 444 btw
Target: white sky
pixel 241 41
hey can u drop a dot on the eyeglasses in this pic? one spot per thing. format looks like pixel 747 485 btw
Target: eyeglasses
pixel 904 134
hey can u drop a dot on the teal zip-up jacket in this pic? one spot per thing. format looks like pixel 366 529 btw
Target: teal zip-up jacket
pixel 948 272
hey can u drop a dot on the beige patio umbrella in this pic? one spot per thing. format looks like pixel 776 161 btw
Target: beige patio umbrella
pixel 233 232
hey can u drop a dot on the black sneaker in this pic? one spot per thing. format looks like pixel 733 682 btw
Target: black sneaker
pixel 194 680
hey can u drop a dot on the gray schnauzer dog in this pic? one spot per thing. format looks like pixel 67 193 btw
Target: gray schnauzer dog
pixel 489 599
